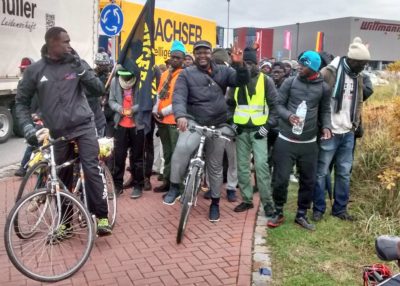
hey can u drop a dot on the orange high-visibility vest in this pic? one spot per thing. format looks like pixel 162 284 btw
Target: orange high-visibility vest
pixel 169 119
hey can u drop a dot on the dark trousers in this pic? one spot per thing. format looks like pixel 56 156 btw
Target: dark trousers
pixel 149 153
pixel 168 136
pixel 27 155
pixel 129 138
pixel 285 155
pixel 88 154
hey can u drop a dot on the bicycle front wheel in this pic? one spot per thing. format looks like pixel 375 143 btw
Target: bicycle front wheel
pixel 108 182
pixel 188 199
pixel 58 246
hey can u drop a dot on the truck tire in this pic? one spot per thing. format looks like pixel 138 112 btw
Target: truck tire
pixel 16 127
pixel 6 123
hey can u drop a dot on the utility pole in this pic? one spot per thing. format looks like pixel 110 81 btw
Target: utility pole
pixel 227 30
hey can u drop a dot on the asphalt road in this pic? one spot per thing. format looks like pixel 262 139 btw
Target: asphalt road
pixel 11 151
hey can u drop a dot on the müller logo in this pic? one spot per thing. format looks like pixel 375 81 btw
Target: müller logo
pixel 378 26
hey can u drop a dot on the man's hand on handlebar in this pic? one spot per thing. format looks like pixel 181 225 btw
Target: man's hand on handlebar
pixel 182 124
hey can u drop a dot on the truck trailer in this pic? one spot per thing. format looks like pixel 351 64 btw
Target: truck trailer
pixel 23 25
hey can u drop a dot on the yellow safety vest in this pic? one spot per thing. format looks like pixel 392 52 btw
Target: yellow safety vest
pixel 256 109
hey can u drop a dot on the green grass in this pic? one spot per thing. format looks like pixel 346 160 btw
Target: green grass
pixel 332 255
pixel 337 251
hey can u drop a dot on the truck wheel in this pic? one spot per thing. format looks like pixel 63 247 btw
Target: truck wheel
pixel 6 123
pixel 16 127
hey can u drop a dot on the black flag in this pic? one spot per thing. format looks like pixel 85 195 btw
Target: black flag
pixel 137 56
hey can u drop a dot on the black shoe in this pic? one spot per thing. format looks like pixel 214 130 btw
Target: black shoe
pixel 213 215
pixel 147 185
pixel 269 210
pixel 303 222
pixel 128 184
pixel 136 193
pixel 231 195
pixel 172 196
pixel 207 195
pixel 344 216
pixel 163 188
pixel 317 216
pixel 243 207
pixel 20 172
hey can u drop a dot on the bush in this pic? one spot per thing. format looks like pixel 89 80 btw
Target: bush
pixel 376 173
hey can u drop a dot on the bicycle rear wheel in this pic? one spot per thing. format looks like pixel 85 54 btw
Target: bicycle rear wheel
pixel 36 178
pixel 188 198
pixel 59 247
pixel 108 182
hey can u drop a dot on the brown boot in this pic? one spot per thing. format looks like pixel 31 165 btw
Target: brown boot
pixel 163 188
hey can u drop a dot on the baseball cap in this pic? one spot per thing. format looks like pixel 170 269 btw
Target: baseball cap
pixel 202 44
pixel 25 62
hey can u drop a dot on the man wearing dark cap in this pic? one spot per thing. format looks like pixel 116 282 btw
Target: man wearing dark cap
pixel 344 76
pixel 199 99
pixel 252 120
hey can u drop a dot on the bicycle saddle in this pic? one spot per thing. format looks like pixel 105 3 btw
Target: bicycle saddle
pixel 388 247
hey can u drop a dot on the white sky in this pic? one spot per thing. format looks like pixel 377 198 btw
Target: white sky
pixel 269 13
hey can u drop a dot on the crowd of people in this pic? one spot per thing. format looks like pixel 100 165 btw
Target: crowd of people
pixel 284 117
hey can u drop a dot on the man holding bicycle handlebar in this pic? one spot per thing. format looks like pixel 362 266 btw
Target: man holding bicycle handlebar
pixel 199 99
pixel 59 79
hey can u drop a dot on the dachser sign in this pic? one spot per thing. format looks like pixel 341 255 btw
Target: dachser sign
pixel 169 26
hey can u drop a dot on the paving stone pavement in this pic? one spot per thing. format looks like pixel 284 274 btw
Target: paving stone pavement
pixel 143 251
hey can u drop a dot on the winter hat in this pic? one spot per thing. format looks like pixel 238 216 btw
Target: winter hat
pixel 265 63
pixel 178 46
pixel 358 51
pixel 102 59
pixel 288 62
pixel 311 60
pixel 250 54
pixel 220 56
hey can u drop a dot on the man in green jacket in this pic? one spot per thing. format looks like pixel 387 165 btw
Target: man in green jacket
pixel 252 119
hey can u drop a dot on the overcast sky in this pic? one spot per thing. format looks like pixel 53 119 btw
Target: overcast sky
pixel 269 13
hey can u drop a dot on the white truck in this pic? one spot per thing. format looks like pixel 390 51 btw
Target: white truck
pixel 23 24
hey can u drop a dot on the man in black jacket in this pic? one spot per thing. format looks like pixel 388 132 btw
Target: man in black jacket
pixel 304 111
pixel 199 99
pixel 59 79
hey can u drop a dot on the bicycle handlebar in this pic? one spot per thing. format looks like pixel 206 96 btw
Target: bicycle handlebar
pixel 51 143
pixel 210 132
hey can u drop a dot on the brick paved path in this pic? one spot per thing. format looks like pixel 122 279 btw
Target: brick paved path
pixel 142 249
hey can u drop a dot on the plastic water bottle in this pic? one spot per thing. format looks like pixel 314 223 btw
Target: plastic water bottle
pixel 301 113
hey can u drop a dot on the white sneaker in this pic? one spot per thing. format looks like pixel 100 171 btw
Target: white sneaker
pixel 35 203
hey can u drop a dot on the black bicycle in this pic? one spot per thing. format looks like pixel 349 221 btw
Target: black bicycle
pixel 193 178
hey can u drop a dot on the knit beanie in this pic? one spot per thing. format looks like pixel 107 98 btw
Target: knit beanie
pixel 250 54
pixel 311 60
pixel 358 51
pixel 178 46
pixel 220 56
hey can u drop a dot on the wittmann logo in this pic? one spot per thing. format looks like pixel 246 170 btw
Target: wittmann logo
pixel 378 26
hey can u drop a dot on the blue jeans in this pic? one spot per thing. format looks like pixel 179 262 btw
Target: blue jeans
pixel 340 149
